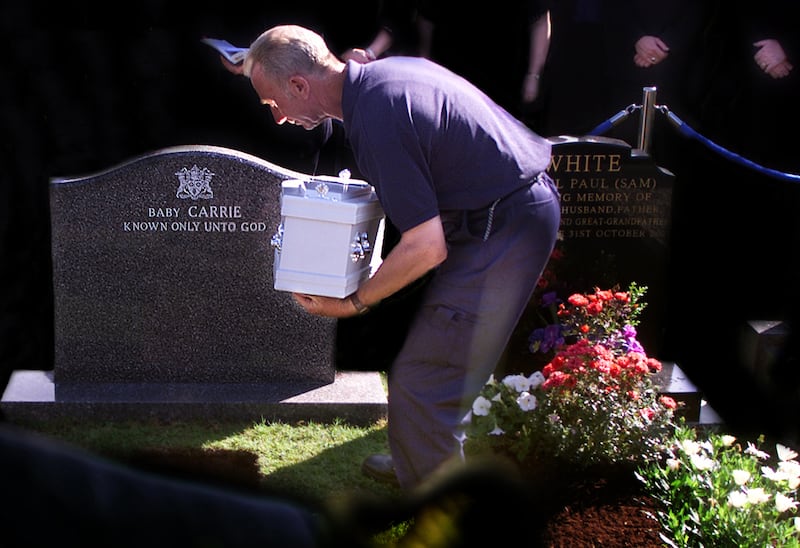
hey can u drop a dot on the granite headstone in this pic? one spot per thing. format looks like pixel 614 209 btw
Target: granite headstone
pixel 616 208
pixel 163 285
pixel 615 226
pixel 616 211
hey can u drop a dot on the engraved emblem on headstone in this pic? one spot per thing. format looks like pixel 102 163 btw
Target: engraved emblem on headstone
pixel 195 183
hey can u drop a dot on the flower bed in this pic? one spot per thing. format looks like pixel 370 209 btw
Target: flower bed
pixel 595 407
pixel 595 402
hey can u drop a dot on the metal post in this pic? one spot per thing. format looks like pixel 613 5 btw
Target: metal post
pixel 646 117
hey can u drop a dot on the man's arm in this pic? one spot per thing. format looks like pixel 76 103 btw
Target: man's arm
pixel 420 249
pixel 539 45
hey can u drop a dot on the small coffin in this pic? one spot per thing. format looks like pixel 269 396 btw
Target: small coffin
pixel 327 234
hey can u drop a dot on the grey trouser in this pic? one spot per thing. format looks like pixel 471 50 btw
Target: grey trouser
pixel 470 308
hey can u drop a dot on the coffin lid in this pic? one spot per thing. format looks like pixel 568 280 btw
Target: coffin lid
pixel 324 187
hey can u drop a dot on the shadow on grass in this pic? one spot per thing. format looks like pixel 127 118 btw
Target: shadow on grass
pixel 358 512
pixel 181 450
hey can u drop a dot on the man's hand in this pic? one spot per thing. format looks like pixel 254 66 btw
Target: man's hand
pixel 650 50
pixel 331 307
pixel 359 55
pixel 237 69
pixel 771 58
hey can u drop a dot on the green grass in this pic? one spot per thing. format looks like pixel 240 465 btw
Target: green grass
pixel 312 463
pixel 317 464
pixel 309 460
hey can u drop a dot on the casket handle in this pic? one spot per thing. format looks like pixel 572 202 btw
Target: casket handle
pixel 360 247
pixel 277 239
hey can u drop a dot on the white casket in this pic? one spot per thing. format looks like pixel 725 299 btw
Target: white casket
pixel 325 241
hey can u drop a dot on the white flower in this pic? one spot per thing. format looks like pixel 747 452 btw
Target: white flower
pixel 784 453
pixel 520 383
pixel 788 471
pixel 536 379
pixel 791 469
pixel 673 464
pixel 737 499
pixel 702 462
pixel 771 474
pixel 690 447
pixel 757 495
pixel 797 524
pixel 497 397
pixel 497 431
pixel 753 450
pixel 783 503
pixel 728 440
pixel 481 406
pixel 526 401
pixel 741 476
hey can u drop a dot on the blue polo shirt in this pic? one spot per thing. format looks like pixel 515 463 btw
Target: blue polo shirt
pixel 429 141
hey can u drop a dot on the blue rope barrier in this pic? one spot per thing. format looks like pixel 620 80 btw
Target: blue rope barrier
pixel 690 133
pixel 614 120
pixel 687 131
pixel 611 122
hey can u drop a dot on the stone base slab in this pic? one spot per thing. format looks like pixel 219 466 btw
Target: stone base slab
pixel 355 397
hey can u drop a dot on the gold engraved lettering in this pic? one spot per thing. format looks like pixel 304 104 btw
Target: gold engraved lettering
pixel 586 163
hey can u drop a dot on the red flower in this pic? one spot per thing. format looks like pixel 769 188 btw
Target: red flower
pixel 594 308
pixel 647 414
pixel 578 299
pixel 638 366
pixel 542 283
pixel 604 294
pixel 559 378
pixel 668 402
pixel 622 296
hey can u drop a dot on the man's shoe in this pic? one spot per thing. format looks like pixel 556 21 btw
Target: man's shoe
pixel 380 468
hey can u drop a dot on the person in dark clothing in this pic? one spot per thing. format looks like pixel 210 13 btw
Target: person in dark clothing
pixel 58 494
pixel 600 56
pixel 749 106
pixel 467 41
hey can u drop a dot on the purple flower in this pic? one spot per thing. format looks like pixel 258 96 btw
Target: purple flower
pixel 629 332
pixel 549 337
pixel 549 298
pixel 634 346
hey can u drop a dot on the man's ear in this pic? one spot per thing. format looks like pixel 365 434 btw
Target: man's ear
pixel 298 85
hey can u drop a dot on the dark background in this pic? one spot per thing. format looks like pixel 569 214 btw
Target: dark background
pixel 87 85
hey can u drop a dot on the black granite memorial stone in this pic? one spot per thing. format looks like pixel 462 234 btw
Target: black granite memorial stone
pixel 615 227
pixel 616 208
pixel 163 282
